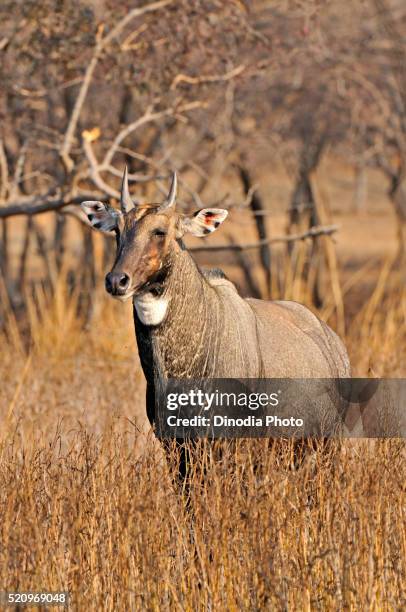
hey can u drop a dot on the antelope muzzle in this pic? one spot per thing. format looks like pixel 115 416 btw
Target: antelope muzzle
pixel 117 283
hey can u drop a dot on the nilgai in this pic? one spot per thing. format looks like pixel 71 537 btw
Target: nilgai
pixel 194 324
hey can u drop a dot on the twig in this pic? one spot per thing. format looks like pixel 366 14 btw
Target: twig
pixel 96 168
pixel 311 233
pixel 135 176
pixel 144 158
pixel 41 93
pixel 148 117
pixel 95 171
pixel 210 78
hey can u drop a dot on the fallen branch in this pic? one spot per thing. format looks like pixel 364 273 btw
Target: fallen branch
pixel 313 232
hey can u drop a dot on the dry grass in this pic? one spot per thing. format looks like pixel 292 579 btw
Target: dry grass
pixel 81 511
pixel 93 521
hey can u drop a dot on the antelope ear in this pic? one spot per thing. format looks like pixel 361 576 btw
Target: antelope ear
pixel 101 216
pixel 204 221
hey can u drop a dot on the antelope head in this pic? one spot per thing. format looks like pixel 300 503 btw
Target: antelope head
pixel 147 238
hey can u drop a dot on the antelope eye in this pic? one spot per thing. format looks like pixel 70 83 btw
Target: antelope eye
pixel 159 232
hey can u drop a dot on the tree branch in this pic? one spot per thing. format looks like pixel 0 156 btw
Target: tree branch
pixel 99 48
pixel 38 205
pixel 148 117
pixel 313 232
pixel 210 78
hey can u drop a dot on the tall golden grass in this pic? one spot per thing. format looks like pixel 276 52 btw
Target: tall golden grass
pixel 82 510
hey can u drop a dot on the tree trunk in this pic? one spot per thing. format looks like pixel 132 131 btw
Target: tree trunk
pixel 257 206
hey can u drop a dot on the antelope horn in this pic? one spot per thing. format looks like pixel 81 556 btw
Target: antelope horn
pixel 126 202
pixel 171 197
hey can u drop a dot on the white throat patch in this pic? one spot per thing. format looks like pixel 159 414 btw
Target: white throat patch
pixel 151 309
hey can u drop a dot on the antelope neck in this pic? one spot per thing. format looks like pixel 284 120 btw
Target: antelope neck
pixel 176 328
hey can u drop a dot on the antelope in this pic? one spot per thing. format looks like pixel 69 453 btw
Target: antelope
pixel 194 324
